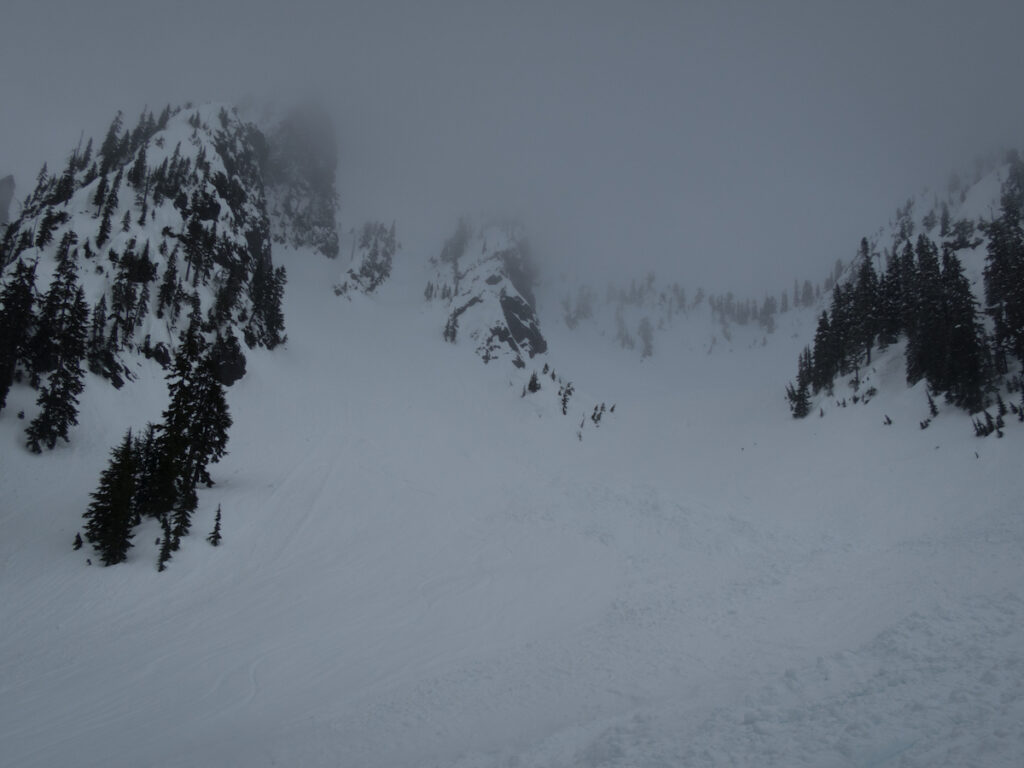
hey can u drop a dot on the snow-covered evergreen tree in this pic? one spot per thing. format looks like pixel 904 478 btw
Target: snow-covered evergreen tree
pixel 110 515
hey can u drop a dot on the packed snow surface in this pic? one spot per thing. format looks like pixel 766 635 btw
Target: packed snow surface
pixel 422 568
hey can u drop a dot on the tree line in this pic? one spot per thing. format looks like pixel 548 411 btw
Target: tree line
pixel 924 297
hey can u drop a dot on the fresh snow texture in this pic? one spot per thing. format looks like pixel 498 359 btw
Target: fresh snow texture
pixel 421 567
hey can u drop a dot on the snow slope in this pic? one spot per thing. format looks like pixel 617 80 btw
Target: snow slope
pixel 422 568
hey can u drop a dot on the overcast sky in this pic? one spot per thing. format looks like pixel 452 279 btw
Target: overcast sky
pixel 727 144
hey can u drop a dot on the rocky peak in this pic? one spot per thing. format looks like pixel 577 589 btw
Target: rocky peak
pixel 486 277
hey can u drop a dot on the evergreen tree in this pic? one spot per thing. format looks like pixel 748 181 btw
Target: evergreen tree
pixel 185 504
pixel 109 149
pixel 16 323
pixel 908 282
pixel 166 540
pixel 227 296
pixel 42 347
pixel 964 374
pixel 215 538
pixel 823 370
pixel 227 358
pixel 139 171
pixel 165 116
pixel 113 199
pixel 58 399
pixel 805 369
pixel 842 329
pixel 50 221
pixel 194 431
pixel 208 434
pixel 91 174
pixel 66 250
pixel 103 233
pixel 799 401
pixel 144 128
pixel 865 306
pixel 44 182
pixel 111 512
pixel 798 396
pixel 925 338
pixel 124 148
pixel 565 394
pixel 147 473
pixel 65 186
pixel 54 323
pixel 85 158
pixel 167 295
pixel 122 306
pixel 98 353
pixel 157 183
pixel 266 290
pixel 1004 269
pixel 890 301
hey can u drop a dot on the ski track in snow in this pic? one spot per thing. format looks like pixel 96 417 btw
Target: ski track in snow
pixel 421 568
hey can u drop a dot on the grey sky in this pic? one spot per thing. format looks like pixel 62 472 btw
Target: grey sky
pixel 734 145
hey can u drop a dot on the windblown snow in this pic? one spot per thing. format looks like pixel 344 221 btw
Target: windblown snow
pixel 420 567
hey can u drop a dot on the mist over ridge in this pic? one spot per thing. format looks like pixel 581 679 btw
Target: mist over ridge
pixel 735 147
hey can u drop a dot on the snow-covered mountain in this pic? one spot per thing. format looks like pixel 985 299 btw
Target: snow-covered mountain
pixel 422 566
pixel 177 215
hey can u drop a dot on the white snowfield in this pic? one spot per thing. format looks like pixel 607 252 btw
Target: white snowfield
pixel 422 568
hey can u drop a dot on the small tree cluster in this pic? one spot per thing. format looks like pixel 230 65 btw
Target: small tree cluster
pixel 57 348
pixel 922 296
pixel 168 462
pixel 1004 269
pixel 564 393
pixel 377 246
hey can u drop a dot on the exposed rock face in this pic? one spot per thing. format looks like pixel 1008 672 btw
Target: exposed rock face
pixel 487 279
pixel 300 180
pixel 6 196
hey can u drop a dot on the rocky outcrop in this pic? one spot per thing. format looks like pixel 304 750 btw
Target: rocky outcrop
pixel 6 196
pixel 486 278
pixel 300 165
